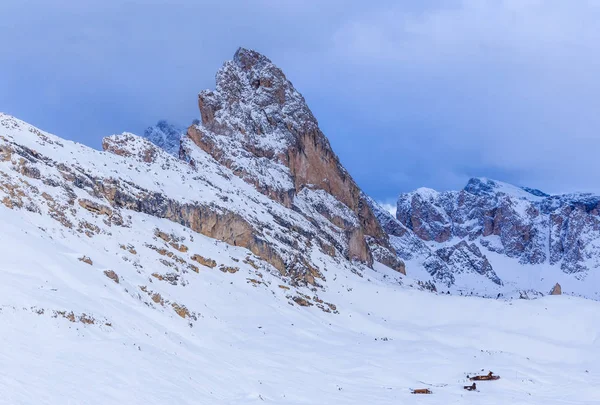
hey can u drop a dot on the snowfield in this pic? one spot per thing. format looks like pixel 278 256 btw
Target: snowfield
pixel 249 346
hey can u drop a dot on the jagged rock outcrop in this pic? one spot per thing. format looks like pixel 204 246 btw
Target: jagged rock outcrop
pixel 406 244
pixel 556 290
pixel 510 214
pixel 257 124
pixel 445 263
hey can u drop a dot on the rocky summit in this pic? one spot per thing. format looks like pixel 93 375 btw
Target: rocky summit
pixel 258 125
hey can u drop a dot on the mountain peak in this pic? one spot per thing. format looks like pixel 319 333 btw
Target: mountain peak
pixel 257 124
pixel 249 58
pixel 166 136
pixel 483 186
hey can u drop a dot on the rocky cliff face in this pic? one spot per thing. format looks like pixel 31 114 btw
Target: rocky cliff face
pixel 442 263
pixel 258 125
pixel 523 224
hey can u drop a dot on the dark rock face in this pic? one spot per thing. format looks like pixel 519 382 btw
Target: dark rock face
pixel 574 227
pixel 426 215
pixel 520 223
pixel 257 124
pixel 463 257
pixel 406 244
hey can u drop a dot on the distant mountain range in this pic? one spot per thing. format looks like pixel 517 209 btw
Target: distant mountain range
pixel 505 233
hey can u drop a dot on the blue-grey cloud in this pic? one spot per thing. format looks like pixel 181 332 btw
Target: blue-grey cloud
pixel 421 93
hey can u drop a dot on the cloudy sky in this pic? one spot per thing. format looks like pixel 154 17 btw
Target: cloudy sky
pixel 410 93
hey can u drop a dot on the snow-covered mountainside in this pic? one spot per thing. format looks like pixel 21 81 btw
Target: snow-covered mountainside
pixel 166 136
pixel 257 173
pixel 517 238
pixel 107 330
pixel 243 265
pixel 315 226
pixel 79 193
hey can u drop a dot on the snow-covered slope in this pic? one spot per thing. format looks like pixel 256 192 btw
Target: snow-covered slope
pixel 246 345
pixel 69 182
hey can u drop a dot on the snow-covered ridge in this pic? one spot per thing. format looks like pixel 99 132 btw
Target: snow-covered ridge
pixel 484 186
pixel 38 167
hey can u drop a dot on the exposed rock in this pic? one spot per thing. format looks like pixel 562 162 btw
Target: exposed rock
pixel 86 260
pixel 95 207
pixel 5 153
pixel 303 302
pixel 171 278
pixel 112 275
pixel 556 290
pixel 86 319
pixel 402 239
pixel 385 256
pixel 427 285
pixel 281 237
pixel 521 223
pixel 446 262
pixel 219 224
pixel 253 281
pixel 483 209
pixel 179 247
pixel 162 235
pixel 204 261
pixel 74 318
pixel 157 298
pixel 129 248
pixel 181 310
pixel 229 269
pixel 122 145
pixel 439 269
